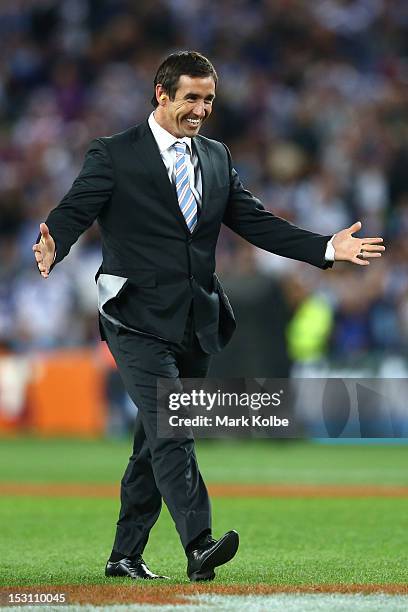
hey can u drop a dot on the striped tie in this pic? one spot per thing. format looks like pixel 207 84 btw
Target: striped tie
pixel 186 199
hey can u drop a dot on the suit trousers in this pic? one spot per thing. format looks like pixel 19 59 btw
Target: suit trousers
pixel 158 468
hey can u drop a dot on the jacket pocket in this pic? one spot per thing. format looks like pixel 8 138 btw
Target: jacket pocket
pixel 222 295
pixel 138 277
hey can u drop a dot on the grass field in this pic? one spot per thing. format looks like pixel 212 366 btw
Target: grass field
pixel 285 542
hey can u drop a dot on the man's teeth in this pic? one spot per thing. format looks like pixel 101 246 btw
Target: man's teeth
pixel 194 121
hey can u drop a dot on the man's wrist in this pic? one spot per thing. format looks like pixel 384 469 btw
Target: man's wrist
pixel 330 252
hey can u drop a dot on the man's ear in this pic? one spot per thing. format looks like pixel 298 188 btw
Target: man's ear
pixel 161 95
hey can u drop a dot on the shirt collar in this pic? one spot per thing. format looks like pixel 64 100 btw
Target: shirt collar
pixel 164 139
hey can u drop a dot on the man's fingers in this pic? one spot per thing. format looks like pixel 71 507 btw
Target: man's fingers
pixel 40 252
pixel 373 247
pixel 45 232
pixel 355 227
pixel 366 255
pixel 372 240
pixel 363 255
pixel 360 262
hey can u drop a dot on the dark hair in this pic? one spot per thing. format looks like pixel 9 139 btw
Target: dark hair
pixel 191 63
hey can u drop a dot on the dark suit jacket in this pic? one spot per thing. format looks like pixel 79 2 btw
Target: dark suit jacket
pixel 124 185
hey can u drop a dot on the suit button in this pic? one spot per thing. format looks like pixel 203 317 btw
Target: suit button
pixel 191 277
pixel 189 240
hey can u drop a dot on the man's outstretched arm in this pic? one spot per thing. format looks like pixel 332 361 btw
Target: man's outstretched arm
pixel 77 210
pixel 246 216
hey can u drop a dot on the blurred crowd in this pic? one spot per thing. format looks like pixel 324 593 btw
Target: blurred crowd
pixel 312 101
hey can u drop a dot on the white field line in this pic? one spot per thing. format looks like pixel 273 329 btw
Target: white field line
pixel 251 603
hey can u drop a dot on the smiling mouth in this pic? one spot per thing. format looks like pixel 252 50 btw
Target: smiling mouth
pixel 193 122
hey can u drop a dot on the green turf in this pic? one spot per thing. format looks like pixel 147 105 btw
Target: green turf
pixel 33 460
pixel 283 541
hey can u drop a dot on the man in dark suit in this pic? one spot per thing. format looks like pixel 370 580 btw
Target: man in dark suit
pixel 160 193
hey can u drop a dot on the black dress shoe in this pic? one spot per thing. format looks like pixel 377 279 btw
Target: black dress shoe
pixel 131 568
pixel 209 554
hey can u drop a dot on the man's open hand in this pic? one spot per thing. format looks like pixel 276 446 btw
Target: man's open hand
pixel 356 250
pixel 44 251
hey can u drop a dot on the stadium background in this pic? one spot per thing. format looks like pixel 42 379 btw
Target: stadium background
pixel 313 103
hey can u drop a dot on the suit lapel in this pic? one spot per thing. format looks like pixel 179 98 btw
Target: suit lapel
pixel 206 174
pixel 149 156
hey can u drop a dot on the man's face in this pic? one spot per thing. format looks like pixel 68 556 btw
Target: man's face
pixel 191 106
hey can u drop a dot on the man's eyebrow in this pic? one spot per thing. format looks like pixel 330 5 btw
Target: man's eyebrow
pixel 195 96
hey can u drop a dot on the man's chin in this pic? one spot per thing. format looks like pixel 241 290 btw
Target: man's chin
pixel 191 130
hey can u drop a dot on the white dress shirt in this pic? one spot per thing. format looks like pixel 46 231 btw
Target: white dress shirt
pixel 330 252
pixel 165 142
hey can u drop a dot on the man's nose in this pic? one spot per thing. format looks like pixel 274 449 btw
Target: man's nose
pixel 198 109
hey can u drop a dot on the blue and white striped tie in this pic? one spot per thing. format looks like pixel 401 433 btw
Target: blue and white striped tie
pixel 186 199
